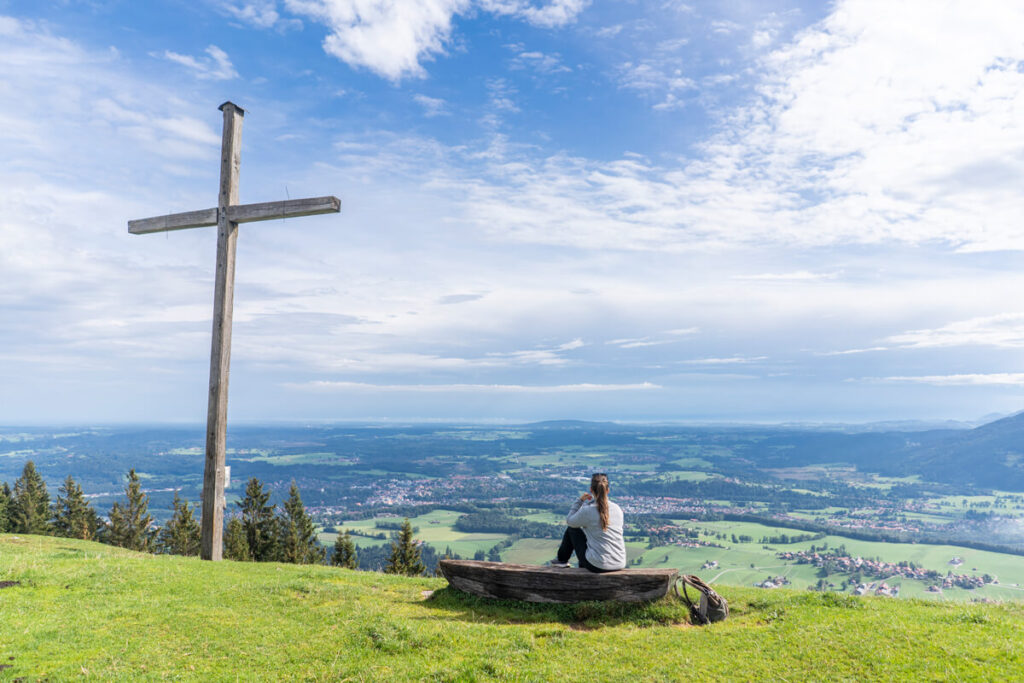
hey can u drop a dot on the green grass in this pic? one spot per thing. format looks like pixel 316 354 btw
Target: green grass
pixel 86 610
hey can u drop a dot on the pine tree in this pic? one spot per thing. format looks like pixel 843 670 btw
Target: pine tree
pixel 259 523
pixel 130 523
pixel 298 534
pixel 345 552
pixel 180 536
pixel 30 509
pixel 73 517
pixel 405 554
pixel 5 507
pixel 236 546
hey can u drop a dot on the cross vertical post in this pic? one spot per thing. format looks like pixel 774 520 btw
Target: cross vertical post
pixel 211 546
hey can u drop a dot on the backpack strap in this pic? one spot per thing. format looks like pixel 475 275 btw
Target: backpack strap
pixel 696 613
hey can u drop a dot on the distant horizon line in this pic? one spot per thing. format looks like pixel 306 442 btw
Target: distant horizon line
pixel 512 422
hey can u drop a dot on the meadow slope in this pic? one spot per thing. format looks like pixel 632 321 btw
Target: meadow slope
pixel 87 610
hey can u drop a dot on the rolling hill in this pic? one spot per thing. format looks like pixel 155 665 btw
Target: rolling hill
pixel 72 609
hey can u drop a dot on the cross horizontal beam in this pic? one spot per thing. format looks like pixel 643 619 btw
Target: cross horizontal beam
pixel 238 213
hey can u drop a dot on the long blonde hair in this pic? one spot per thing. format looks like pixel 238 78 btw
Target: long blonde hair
pixel 599 487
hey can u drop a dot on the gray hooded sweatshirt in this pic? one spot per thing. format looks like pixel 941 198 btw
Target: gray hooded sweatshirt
pixel 605 547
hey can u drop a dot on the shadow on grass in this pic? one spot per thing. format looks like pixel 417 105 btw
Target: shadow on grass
pixel 666 611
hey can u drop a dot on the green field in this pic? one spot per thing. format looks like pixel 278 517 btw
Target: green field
pixel 84 610
pixel 435 528
pixel 735 561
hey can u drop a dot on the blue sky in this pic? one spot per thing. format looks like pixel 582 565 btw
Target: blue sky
pixel 704 211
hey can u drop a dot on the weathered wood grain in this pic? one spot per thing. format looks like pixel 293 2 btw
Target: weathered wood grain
pixel 237 213
pixel 291 208
pixel 174 221
pixel 212 521
pixel 548 584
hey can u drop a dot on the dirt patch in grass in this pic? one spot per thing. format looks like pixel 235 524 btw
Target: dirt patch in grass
pixel 579 626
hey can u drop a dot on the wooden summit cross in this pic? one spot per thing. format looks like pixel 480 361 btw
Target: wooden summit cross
pixel 228 214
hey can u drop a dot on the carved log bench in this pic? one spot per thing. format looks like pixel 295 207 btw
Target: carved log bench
pixel 549 584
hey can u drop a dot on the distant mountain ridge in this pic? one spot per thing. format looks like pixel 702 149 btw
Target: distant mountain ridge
pixel 990 455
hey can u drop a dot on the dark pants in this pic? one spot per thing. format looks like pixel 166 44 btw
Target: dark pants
pixel 574 540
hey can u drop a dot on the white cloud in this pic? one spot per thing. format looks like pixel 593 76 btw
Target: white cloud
pixel 330 386
pixel 648 77
pixel 643 343
pixel 639 342
pixel 724 27
pixel 997 378
pixel 850 352
pixel 732 360
pixel 389 37
pixel 1003 331
pixel 216 67
pixel 432 106
pixel 9 26
pixel 866 129
pixel 543 63
pixel 795 275
pixel 258 13
pixel 762 38
pixel 552 14
pixel 393 37
pixel 871 129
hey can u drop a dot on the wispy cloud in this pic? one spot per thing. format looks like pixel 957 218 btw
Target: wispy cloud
pixel 795 275
pixel 432 106
pixel 1005 330
pixel 215 67
pixel 640 342
pixel 543 63
pixel 259 13
pixel 552 14
pixel 731 360
pixel 996 378
pixel 850 352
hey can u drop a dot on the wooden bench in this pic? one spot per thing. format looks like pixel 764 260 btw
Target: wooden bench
pixel 549 584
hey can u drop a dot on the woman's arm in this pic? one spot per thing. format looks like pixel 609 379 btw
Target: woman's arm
pixel 577 516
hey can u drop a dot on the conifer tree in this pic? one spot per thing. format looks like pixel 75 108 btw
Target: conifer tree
pixel 73 517
pixel 180 536
pixel 259 523
pixel 5 507
pixel 345 552
pixel 236 547
pixel 405 554
pixel 298 534
pixel 130 523
pixel 30 508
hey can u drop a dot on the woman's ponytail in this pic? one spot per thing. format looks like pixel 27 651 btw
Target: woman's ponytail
pixel 599 487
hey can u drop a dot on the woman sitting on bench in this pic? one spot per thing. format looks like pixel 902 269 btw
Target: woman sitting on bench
pixel 594 531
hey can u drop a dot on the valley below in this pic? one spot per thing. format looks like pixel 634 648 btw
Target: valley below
pixel 845 510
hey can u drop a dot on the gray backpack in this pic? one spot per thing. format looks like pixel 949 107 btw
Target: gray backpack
pixel 711 606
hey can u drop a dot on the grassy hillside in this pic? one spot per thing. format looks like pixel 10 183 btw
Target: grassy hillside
pixel 83 609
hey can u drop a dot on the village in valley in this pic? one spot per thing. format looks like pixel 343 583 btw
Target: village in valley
pixel 477 492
